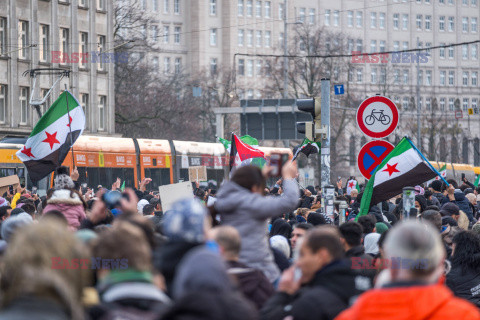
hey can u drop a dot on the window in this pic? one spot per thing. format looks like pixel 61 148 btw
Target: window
pixel 395 20
pixel 166 65
pixel 240 7
pixel 336 73
pixel 23 39
pixel 336 18
pixel 464 51
pixel 327 17
pixel 465 2
pixel 166 6
pixel 268 39
pixel 213 7
pixel 83 47
pixel 101 47
pixel 178 65
pixel 3 35
pixel 373 20
pixel 383 75
pixel 465 24
pixel 442 104
pixel 154 32
pixel 281 14
pixel 420 77
pixel 102 102
pixel 374 75
pixel 281 40
pixel 465 104
pixel 350 75
pixel 44 42
pixel 213 37
pixel 268 9
pixel 441 51
pixel 382 46
pixel 451 24
pixel 250 94
pixel 396 45
pixel 405 102
pixel 143 4
pixel 250 38
pixel 258 9
pixel 405 45
pixel 359 75
pixel 24 105
pixel 301 16
pixel 359 19
pixel 84 104
pixel 359 45
pixel 474 78
pixel 311 16
pixel 250 68
pixel 241 37
pixel 155 64
pixel 441 23
pixel 241 67
pixel 176 6
pixel 428 23
pixel 213 66
pixel 451 52
pixel 451 104
pixel 176 35
pixel 474 52
pixel 143 32
pixel 442 77
pixel 474 3
pixel 428 45
pixel 451 78
pixel 82 3
pixel 259 38
pixel 405 21
pixel 405 76
pixel 258 70
pixel 373 46
pixel 154 5
pixel 419 21
pixel 166 34
pixel 249 8
pixel 3 102
pixel 473 25
pixel 350 18
pixel 420 103
pixel 381 20
pixel 428 103
pixel 465 78
pixel 428 77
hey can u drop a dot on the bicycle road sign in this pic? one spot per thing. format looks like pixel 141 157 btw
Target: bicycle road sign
pixel 377 117
pixel 371 155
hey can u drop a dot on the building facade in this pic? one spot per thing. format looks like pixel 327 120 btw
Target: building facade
pixel 50 34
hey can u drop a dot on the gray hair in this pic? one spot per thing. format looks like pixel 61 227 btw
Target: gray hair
pixel 416 246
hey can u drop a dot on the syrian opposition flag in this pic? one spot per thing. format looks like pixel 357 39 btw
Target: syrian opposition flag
pixel 404 166
pixel 477 181
pixel 351 185
pixel 52 137
pixel 243 154
pixel 307 148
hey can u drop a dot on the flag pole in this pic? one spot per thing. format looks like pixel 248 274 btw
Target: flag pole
pixel 70 127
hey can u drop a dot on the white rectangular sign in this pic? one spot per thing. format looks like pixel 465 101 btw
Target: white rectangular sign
pixel 172 192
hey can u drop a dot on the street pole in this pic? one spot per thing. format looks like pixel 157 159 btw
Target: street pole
pixel 419 144
pixel 325 125
pixel 285 51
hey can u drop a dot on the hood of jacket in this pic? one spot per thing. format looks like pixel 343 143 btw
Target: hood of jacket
pixel 65 196
pixel 230 196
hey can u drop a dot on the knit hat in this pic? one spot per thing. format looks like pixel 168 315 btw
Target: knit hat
pixel 185 221
pixel 141 204
pixel 63 180
pixel 316 219
pixel 381 227
pixel 449 209
pixel 10 225
pixel 436 185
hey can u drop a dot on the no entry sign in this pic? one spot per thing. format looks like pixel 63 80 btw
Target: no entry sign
pixel 377 117
pixel 371 155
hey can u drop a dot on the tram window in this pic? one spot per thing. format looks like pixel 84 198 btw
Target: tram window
pixel 159 177
pixel 107 176
pixel 184 175
pixel 5 172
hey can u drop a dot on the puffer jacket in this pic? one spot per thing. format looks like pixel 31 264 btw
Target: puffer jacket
pixel 249 213
pixel 462 202
pixel 464 284
pixel 68 203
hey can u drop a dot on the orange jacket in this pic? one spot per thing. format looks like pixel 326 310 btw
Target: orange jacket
pixel 429 302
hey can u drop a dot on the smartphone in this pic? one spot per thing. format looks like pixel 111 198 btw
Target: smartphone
pixel 34 190
pixel 463 176
pixel 10 189
pixel 277 160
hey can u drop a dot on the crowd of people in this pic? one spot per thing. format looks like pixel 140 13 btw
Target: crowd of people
pixel 246 251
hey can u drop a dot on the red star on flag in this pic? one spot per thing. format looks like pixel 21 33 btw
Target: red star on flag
pixel 69 121
pixel 351 185
pixel 391 169
pixel 51 139
pixel 27 152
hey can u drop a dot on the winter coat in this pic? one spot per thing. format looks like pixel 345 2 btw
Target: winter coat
pixel 68 203
pixel 251 282
pixel 249 213
pixel 27 308
pixel 462 202
pixel 440 196
pixel 410 302
pixel 332 290
pixel 358 257
pixel 465 285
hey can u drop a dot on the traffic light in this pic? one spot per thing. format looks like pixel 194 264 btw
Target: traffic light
pixel 312 130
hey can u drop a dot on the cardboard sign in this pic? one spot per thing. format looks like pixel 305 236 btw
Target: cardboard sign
pixel 197 173
pixel 172 192
pixel 5 182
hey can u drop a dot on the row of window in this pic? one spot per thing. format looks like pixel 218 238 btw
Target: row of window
pixel 245 7
pixel 154 5
pixel 25 108
pixel 251 67
pixel 409 103
pixel 177 32
pixel 177 67
pixel 100 4
pixel 261 38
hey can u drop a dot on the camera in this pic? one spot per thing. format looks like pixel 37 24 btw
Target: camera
pixel 112 198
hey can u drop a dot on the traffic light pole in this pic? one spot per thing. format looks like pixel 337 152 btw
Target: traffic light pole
pixel 325 140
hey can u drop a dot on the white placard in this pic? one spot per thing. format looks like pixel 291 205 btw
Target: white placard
pixel 172 192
